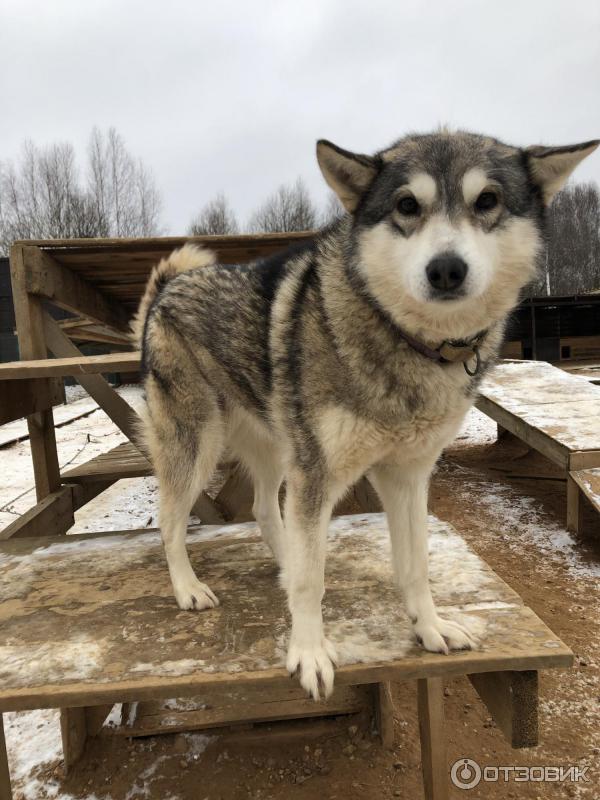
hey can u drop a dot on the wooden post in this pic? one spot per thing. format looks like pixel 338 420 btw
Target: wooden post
pixel 511 697
pixel 73 730
pixel 573 505
pixel 430 693
pixel 5 790
pixel 384 713
pixel 32 345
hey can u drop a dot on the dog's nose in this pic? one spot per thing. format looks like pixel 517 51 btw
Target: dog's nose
pixel 446 272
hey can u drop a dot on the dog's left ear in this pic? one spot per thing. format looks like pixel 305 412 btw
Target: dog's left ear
pixel 551 166
pixel 348 174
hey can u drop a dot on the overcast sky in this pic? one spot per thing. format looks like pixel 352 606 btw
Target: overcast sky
pixel 231 96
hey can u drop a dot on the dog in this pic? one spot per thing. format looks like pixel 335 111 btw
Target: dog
pixel 359 352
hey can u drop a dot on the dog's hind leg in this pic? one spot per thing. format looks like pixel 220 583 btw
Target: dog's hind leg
pixel 185 438
pixel 260 455
pixel 308 509
pixel 403 492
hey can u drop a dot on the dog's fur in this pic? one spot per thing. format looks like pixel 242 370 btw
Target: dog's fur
pixel 298 364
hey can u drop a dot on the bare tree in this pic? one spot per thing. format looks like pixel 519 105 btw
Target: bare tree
pixel 43 197
pixel 216 218
pixel 290 208
pixel 122 190
pixel 570 263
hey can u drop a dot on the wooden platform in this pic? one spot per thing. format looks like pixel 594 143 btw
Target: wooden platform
pixel 123 461
pixel 554 412
pixel 91 622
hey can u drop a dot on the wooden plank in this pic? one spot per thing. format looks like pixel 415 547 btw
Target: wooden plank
pixel 207 511
pixel 74 365
pixel 32 345
pixel 367 497
pixel 123 461
pixel 18 399
pixel 236 497
pixel 430 700
pixel 239 638
pixel 217 709
pixel 584 460
pixel 573 505
pixel 52 516
pixel 384 713
pixel 535 438
pixel 95 717
pixel 47 278
pixel 86 492
pixel 512 700
pixel 109 401
pixel 74 734
pixel 588 481
pixel 165 244
pixel 5 789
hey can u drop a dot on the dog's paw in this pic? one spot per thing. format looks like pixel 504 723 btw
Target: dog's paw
pixel 193 594
pixel 314 667
pixel 440 636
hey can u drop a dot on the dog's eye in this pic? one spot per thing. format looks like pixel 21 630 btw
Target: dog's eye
pixel 486 201
pixel 408 206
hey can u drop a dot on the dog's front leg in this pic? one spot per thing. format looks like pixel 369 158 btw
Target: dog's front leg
pixel 307 514
pixel 403 492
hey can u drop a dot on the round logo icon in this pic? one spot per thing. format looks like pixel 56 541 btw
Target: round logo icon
pixel 465 773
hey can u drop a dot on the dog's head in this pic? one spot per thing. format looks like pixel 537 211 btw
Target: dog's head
pixel 447 227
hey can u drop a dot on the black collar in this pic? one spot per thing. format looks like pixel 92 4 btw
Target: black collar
pixel 450 351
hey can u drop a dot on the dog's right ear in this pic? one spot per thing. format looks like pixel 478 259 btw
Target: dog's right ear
pixel 348 174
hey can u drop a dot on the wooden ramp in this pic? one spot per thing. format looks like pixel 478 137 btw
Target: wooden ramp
pixel 94 623
pixel 554 412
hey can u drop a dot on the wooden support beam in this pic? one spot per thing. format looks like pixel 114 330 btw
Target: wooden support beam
pixel 52 516
pixel 32 345
pixel 95 717
pixel 574 509
pixel 73 731
pixel 236 496
pixel 86 492
pixel 384 713
pixel 430 697
pixel 512 700
pixel 74 365
pixel 207 510
pixel 47 278
pixel 367 497
pixel 20 398
pixel 5 790
pixel 109 401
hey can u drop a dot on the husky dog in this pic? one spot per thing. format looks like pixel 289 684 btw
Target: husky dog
pixel 357 353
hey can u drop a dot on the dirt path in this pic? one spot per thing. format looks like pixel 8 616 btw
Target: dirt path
pixel 509 504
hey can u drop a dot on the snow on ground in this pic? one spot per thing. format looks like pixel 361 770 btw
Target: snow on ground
pixel 77 442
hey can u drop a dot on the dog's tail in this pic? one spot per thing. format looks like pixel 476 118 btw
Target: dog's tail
pixel 190 256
